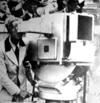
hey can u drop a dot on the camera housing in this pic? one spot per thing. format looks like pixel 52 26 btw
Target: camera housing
pixel 71 40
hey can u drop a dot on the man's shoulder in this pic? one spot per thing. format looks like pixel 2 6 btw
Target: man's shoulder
pixel 2 42
pixel 3 37
pixel 1 15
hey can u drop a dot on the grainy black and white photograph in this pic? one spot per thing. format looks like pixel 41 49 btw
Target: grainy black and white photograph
pixel 49 51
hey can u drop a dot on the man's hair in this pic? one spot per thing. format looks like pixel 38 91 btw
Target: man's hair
pixel 11 21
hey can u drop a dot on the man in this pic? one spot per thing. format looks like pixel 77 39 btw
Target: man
pixel 13 82
pixel 4 10
pixel 48 6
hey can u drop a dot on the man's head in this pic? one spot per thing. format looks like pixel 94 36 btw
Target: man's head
pixel 4 6
pixel 12 27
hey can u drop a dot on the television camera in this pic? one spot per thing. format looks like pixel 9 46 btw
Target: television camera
pixel 61 47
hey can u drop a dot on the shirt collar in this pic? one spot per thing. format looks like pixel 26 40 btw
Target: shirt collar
pixel 9 44
pixel 12 45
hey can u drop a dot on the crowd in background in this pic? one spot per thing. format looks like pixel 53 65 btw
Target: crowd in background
pixel 27 9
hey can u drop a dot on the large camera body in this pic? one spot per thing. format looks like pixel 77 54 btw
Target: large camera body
pixel 61 37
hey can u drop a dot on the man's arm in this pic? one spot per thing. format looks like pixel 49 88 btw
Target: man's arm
pixel 8 84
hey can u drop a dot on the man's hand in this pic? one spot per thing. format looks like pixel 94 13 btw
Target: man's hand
pixel 27 65
pixel 21 96
pixel 25 94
